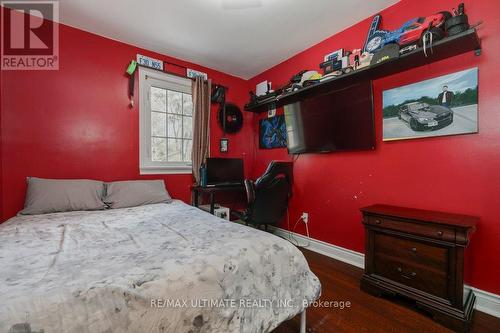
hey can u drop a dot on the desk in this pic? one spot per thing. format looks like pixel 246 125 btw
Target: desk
pixel 212 190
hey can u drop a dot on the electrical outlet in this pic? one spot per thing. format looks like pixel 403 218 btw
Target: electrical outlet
pixel 305 217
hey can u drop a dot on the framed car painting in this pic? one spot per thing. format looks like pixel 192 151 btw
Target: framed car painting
pixel 445 105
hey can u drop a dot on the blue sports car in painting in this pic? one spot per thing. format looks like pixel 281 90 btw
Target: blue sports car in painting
pixel 272 133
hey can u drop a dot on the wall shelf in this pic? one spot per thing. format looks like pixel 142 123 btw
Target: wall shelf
pixel 451 46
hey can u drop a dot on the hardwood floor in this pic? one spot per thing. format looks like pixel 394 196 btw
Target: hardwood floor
pixel 340 282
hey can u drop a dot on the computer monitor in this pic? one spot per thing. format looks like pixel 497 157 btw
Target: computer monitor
pixel 222 171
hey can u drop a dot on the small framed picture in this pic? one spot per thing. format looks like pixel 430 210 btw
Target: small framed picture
pixel 271 112
pixel 224 145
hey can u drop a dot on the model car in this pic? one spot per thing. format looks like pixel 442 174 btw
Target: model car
pixel 410 32
pixel 422 116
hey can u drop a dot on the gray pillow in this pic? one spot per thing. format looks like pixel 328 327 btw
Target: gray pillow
pixel 133 193
pixel 62 195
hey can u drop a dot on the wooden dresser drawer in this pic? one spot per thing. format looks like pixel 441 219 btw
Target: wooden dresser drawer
pixel 419 253
pixel 410 274
pixel 426 230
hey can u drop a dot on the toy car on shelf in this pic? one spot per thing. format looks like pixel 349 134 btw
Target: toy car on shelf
pixel 410 32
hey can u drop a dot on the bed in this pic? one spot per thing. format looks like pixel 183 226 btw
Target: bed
pixel 153 268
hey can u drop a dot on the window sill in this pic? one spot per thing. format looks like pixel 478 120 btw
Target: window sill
pixel 166 171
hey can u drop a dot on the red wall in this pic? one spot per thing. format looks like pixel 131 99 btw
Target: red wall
pixel 454 173
pixel 76 123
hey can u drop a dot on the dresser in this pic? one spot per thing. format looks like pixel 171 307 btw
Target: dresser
pixel 419 254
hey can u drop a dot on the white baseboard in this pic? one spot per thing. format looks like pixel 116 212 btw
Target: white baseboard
pixel 485 301
pixel 333 251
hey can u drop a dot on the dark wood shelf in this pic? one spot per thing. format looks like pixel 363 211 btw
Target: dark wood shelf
pixel 261 106
pixel 451 46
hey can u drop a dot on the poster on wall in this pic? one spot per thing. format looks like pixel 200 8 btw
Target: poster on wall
pixel 272 132
pixel 445 105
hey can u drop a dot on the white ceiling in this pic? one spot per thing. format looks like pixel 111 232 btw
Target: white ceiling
pixel 238 37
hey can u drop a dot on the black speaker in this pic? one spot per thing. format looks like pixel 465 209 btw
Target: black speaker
pixel 230 118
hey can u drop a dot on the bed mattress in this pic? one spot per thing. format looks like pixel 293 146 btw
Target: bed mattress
pixel 155 268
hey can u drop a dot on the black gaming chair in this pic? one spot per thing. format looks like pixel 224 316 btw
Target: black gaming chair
pixel 268 196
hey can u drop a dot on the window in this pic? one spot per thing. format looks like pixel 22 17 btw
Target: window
pixel 166 123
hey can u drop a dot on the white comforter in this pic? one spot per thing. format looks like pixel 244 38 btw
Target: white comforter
pixel 156 268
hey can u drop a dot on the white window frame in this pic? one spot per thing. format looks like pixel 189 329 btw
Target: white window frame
pixel 146 79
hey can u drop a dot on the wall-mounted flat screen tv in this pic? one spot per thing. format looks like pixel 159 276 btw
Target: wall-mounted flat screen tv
pixel 336 120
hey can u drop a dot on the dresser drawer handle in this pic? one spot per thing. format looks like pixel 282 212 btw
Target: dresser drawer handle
pixel 440 233
pixel 377 221
pixel 400 269
pixel 414 249
pixel 412 275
